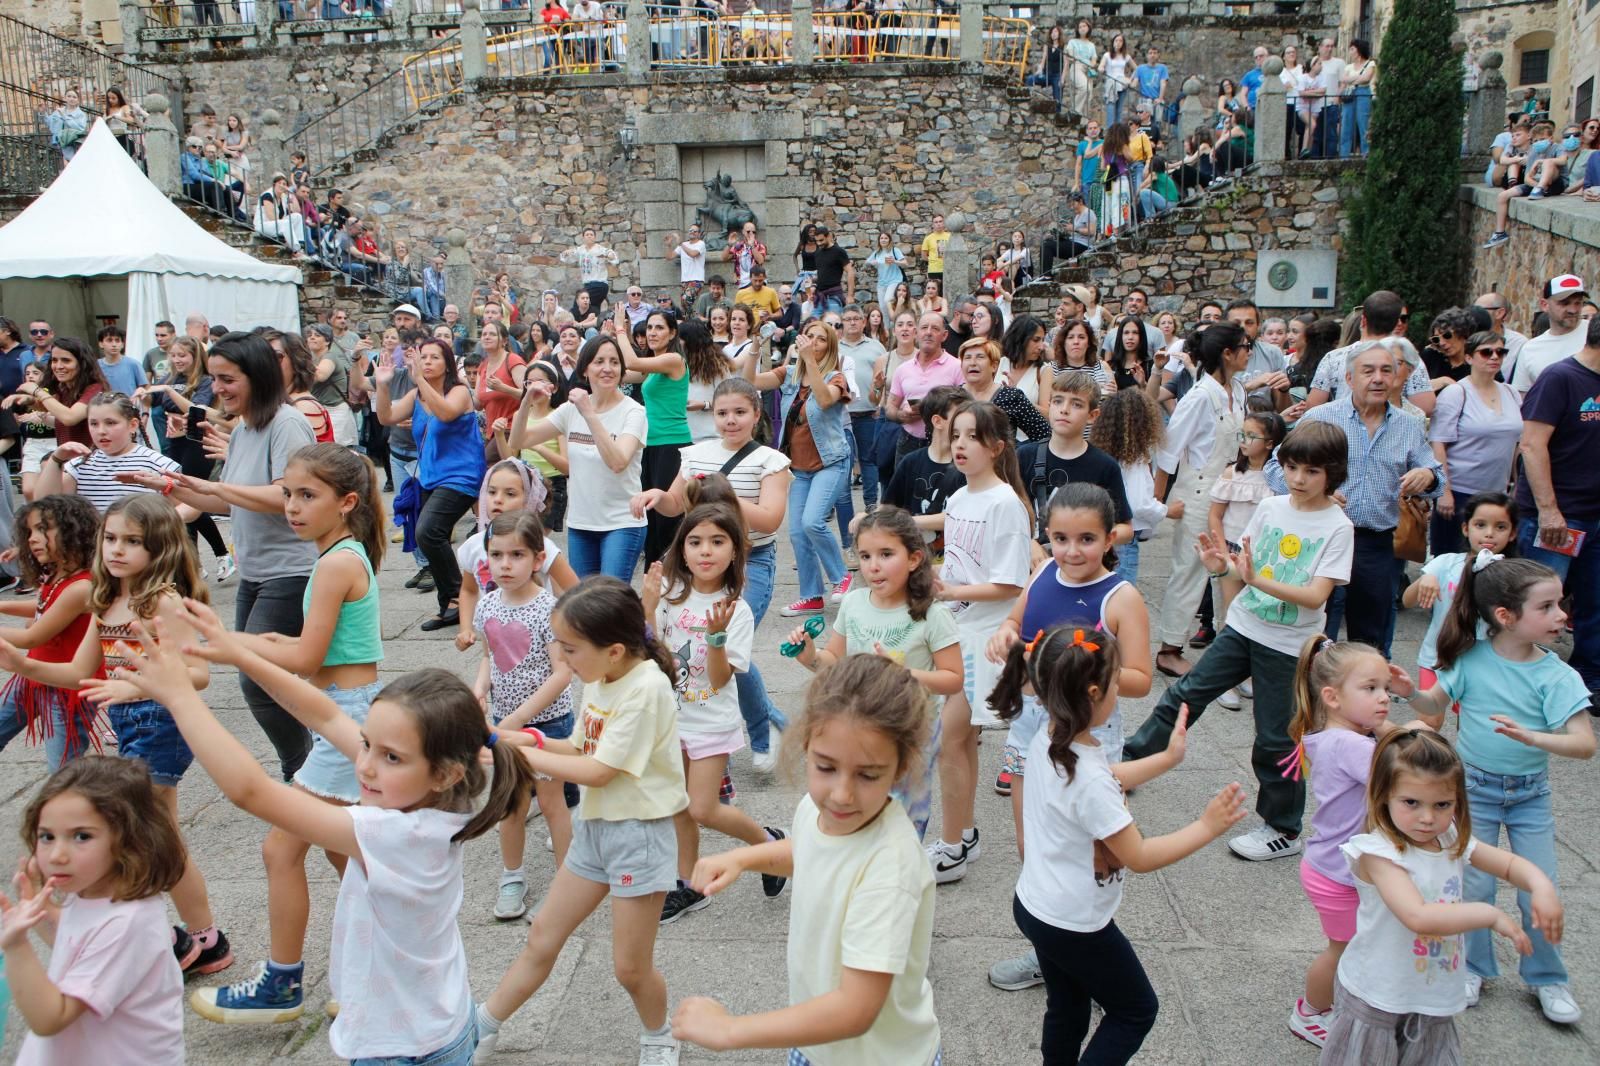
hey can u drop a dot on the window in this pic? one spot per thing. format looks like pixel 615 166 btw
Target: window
pixel 1535 67
pixel 1583 102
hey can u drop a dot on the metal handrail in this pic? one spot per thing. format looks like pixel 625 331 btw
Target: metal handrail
pixel 361 121
pixel 37 67
pixel 28 164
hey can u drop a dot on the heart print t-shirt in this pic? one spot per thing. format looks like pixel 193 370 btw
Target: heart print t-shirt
pixel 517 639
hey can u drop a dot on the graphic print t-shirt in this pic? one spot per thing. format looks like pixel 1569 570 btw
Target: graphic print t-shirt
pixel 1293 547
pixel 703 707
pixel 923 485
pixel 987 540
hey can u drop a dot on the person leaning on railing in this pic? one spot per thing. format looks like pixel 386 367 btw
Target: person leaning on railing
pixel 200 184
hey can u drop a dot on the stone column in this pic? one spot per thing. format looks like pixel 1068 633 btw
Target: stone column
pixel 972 31
pixel 803 39
pixel 272 149
pixel 638 38
pixel 399 20
pixel 161 146
pixel 266 16
pixel 1193 114
pixel 458 271
pixel 958 258
pixel 474 43
pixel 1486 112
pixel 131 15
pixel 1272 119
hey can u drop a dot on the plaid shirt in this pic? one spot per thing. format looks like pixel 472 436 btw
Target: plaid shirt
pixel 1377 462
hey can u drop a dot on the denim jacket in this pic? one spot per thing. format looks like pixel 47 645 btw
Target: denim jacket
pixel 827 424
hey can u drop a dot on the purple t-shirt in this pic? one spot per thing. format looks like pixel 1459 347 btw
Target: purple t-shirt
pixel 1341 762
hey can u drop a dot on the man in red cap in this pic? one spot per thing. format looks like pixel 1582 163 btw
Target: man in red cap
pixel 1563 302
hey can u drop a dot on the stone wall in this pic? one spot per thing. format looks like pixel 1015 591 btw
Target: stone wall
pixel 1548 237
pixel 1209 251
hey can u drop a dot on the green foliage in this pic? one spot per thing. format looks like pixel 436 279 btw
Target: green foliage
pixel 1403 230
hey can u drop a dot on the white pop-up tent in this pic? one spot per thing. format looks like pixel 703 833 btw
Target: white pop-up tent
pixel 103 243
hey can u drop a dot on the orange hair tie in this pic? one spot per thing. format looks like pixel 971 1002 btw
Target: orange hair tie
pixel 1079 642
pixel 1028 647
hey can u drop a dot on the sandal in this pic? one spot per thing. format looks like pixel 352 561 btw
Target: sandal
pixel 1169 671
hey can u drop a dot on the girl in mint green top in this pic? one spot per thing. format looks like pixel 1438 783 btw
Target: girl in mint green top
pixel 332 498
pixel 664 373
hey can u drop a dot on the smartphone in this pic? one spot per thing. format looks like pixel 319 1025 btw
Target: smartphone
pixel 196 429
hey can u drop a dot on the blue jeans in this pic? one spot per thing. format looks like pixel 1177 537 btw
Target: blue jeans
pixel 844 508
pixel 864 429
pixel 759 712
pixel 13 723
pixel 400 468
pixel 1152 203
pixel 456 1053
pixel 1353 123
pixel 1522 805
pixel 812 496
pixel 1118 107
pixel 1581 576
pixel 614 552
pixel 1128 561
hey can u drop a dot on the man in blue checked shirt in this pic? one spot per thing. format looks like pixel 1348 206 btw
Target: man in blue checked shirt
pixel 1389 458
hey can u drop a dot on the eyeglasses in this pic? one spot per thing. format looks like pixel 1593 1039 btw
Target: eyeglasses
pixel 1498 353
pixel 1246 438
pixel 39 332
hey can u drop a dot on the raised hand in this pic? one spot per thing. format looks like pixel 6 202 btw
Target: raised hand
pixel 157 670
pixel 720 615
pixel 1243 563
pixel 383 374
pixel 1178 742
pixel 1225 809
pixel 1213 551
pixel 579 398
pixel 70 451
pixel 1400 682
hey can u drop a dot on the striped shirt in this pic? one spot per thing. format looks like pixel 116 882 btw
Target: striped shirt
pixel 709 457
pixel 96 473
pixel 1377 462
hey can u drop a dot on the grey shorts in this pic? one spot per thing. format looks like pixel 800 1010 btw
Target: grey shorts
pixel 636 858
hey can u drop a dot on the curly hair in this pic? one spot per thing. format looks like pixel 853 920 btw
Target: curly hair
pixel 75 524
pixel 1129 428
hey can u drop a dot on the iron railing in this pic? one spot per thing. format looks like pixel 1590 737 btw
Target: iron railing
pixel 185 14
pixel 360 122
pixel 37 67
pixel 28 164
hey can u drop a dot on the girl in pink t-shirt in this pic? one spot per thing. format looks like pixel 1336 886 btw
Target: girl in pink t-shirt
pixel 1341 694
pixel 113 991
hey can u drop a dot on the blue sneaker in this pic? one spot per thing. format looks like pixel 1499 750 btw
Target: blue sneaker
pixel 269 997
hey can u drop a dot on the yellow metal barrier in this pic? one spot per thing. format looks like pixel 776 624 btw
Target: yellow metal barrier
pixel 433 75
pixel 842 35
pixel 1005 44
pixel 916 37
pixel 585 46
pixel 749 39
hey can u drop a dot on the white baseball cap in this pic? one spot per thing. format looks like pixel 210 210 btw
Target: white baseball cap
pixel 1565 285
pixel 406 309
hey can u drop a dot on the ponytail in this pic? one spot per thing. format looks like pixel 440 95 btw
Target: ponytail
pixel 1488 583
pixel 347 472
pixel 605 611
pixel 510 785
pixel 1065 666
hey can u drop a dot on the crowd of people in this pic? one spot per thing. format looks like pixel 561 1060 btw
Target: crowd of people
pixel 1010 466
pixel 1526 159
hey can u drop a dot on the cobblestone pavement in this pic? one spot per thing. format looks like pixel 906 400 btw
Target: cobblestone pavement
pixel 1226 942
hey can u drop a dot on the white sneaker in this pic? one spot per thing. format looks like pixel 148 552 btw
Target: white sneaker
pixel 767 761
pixel 1263 843
pixel 658 1050
pixel 949 861
pixel 512 902
pixel 1312 1028
pixel 1230 700
pixel 1558 1005
pixel 1474 989
pixel 1247 689
pixel 549 843
pixel 487 1042
pixel 226 568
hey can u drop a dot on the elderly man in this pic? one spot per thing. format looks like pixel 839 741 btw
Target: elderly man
pixel 197 327
pixel 914 378
pixel 1563 301
pixel 864 352
pixel 1389 458
pixel 1559 490
pixel 1382 314
pixel 458 328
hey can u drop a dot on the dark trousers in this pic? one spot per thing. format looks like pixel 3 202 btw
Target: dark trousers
pixel 1230 659
pixel 659 470
pixel 189 455
pixel 1080 967
pixel 1366 604
pixel 274 607
pixel 442 508
pixel 1444 534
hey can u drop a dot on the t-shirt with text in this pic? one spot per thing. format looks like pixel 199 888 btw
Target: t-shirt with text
pixel 1293 547
pixel 703 707
pixel 631 725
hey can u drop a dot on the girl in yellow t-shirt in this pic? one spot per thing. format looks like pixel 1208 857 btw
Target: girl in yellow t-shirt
pixel 861 920
pixel 625 757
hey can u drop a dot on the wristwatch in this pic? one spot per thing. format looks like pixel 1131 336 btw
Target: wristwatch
pixel 717 640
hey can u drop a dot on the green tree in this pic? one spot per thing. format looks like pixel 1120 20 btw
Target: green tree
pixel 1403 232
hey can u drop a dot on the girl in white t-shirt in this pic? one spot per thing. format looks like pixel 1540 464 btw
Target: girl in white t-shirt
pixel 861 909
pixel 1403 976
pixel 104 841
pixel 693 597
pixel 521 682
pixel 1081 838
pixel 626 757
pixel 988 555
pixel 399 970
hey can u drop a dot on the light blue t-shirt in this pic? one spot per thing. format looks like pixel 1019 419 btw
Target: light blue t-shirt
pixel 124 375
pixel 1502 141
pixel 1149 79
pixel 1446 569
pixel 1538 695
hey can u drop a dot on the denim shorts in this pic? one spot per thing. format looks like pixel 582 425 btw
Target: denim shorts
pixel 145 731
pixel 457 1052
pixel 326 772
pixel 633 856
pixel 1025 726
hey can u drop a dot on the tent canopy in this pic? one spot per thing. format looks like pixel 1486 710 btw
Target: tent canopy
pixel 102 244
pixel 103 216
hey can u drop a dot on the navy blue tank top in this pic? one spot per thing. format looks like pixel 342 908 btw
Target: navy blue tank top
pixel 1052 601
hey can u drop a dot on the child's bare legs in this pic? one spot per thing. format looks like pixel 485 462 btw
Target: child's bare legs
pixel 635 921
pixel 958 768
pixel 553 805
pixel 704 779
pixel 1016 809
pixel 569 901
pixel 289 892
pixel 1320 978
pixel 1502 207
pixel 513 835
pixel 189 894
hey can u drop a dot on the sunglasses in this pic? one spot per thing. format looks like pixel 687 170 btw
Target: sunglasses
pixel 1498 353
pixel 1406 317
pixel 39 332
pixel 1445 336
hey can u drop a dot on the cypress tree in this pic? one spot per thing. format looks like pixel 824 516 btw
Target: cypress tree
pixel 1403 233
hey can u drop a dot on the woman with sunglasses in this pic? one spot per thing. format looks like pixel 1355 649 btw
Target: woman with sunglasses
pixel 1445 357
pixel 1477 423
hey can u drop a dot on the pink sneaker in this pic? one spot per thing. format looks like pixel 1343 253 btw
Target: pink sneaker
pixel 1312 1028
pixel 802 607
pixel 841 588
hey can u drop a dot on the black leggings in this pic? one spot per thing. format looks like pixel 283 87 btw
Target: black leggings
pixel 441 509
pixel 1077 968
pixel 274 606
pixel 191 458
pixel 660 469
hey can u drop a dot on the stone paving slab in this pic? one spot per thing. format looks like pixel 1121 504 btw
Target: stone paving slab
pixel 1225 942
